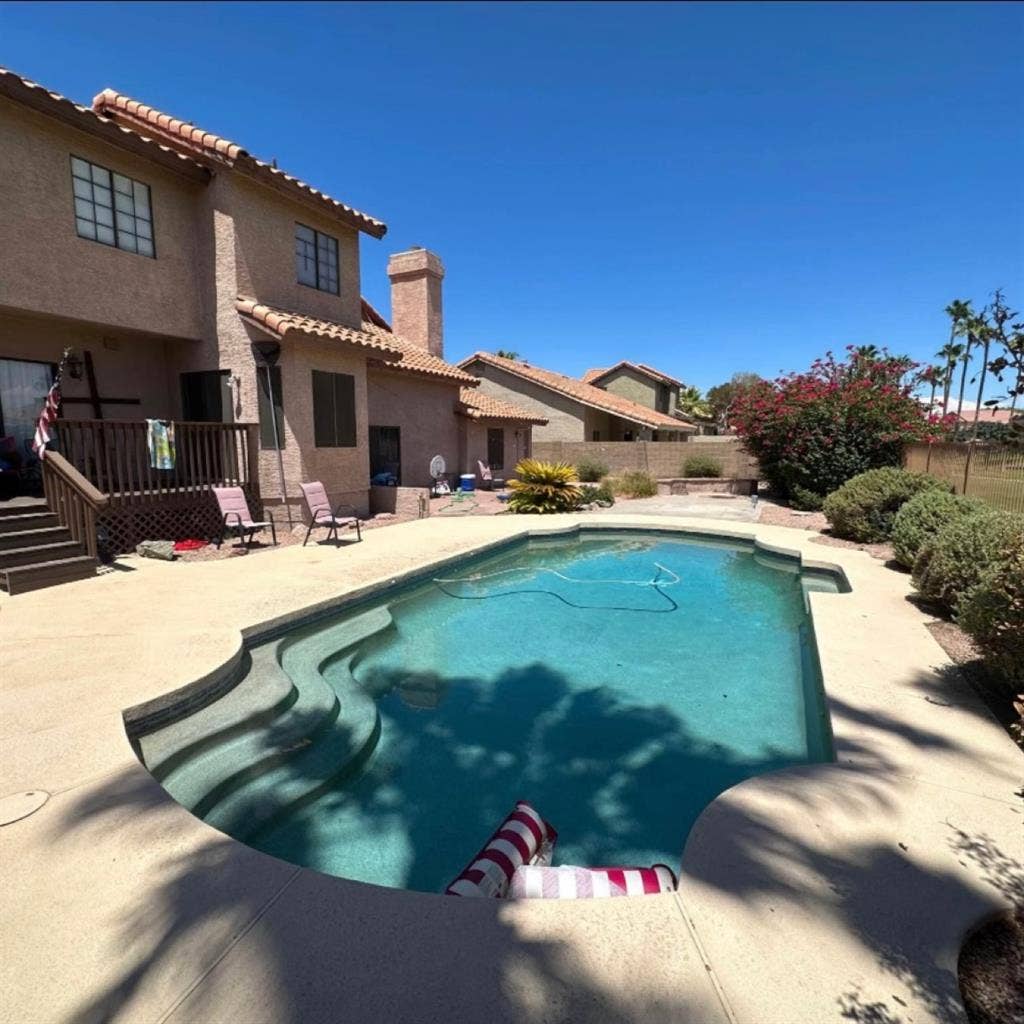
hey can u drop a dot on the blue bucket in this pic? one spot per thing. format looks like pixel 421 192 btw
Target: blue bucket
pixel 467 482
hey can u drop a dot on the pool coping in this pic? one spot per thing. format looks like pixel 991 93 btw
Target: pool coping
pixel 894 644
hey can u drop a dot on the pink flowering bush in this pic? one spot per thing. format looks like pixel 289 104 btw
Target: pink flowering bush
pixel 813 431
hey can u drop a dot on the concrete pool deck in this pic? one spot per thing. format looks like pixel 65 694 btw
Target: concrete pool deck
pixel 818 894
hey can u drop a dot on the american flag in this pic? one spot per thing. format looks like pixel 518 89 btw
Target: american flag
pixel 47 418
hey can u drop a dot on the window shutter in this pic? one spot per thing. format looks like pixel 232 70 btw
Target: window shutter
pixel 323 410
pixel 345 410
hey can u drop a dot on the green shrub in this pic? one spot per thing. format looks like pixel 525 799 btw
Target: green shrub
pixel 636 484
pixel 804 500
pixel 864 508
pixel 701 465
pixel 948 567
pixel 993 612
pixel 544 487
pixel 923 517
pixel 591 470
pixel 603 494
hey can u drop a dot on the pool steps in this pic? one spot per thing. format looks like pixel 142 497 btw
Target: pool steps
pixel 279 737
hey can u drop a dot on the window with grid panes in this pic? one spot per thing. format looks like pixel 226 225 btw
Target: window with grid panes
pixel 316 259
pixel 112 208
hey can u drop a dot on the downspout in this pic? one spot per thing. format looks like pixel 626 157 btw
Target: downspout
pixel 267 354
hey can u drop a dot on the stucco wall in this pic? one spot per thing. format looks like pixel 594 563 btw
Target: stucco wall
pixel 518 445
pixel 345 472
pixel 45 267
pixel 424 412
pixel 566 418
pixel 632 385
pixel 127 365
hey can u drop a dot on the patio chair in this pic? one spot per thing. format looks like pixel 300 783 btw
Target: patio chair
pixel 488 480
pixel 320 513
pixel 234 515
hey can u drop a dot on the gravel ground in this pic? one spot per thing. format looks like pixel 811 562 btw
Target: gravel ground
pixel 774 513
pixel 991 969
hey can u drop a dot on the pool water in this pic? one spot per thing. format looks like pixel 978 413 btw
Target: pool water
pixel 619 710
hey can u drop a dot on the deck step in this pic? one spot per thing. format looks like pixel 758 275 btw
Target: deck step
pixel 17 507
pixel 39 553
pixel 19 579
pixel 28 521
pixel 34 538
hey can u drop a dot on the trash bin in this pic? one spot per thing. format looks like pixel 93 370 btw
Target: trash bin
pixel 467 482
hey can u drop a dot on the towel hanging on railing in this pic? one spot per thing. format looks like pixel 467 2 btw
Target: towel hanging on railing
pixel 160 441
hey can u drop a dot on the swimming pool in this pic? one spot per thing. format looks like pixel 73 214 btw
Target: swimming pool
pixel 618 680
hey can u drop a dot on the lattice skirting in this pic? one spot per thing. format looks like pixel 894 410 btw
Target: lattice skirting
pixel 174 518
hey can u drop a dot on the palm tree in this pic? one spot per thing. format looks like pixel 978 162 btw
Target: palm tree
pixel 951 353
pixel 692 403
pixel 932 375
pixel 981 330
pixel 507 353
pixel 959 313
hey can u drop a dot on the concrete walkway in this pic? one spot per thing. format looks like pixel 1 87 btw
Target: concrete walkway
pixel 816 895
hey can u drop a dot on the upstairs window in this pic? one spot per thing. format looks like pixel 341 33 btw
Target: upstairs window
pixel 316 259
pixel 112 209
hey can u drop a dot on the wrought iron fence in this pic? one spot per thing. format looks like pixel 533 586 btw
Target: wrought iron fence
pixel 993 473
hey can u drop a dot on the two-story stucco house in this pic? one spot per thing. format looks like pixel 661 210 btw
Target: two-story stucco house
pixel 639 383
pixel 575 410
pixel 198 283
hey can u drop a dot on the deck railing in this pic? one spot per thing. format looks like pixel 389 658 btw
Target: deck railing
pixel 73 499
pixel 114 456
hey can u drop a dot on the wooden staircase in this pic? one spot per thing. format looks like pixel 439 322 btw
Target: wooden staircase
pixel 52 540
pixel 37 551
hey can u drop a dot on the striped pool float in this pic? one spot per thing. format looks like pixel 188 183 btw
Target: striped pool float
pixel 572 883
pixel 523 838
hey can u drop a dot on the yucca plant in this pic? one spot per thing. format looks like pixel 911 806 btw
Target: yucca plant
pixel 544 487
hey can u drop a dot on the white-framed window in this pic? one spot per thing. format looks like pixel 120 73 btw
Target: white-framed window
pixel 111 208
pixel 316 259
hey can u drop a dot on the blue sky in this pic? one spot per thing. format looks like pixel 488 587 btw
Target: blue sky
pixel 708 188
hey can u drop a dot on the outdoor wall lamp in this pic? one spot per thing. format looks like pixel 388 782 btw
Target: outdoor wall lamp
pixel 73 364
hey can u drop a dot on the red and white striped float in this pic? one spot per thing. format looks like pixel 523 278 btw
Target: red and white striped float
pixel 523 838
pixel 573 883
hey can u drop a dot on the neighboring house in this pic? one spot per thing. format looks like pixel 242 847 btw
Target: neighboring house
pixel 639 383
pixel 179 266
pixel 574 410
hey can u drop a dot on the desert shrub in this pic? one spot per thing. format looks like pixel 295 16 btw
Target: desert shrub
pixel 993 612
pixel 544 487
pixel 919 521
pixel 818 429
pixel 591 470
pixel 636 484
pixel 864 508
pixel 947 567
pixel 804 500
pixel 602 494
pixel 701 465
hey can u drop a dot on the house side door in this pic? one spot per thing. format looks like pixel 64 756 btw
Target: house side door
pixel 386 452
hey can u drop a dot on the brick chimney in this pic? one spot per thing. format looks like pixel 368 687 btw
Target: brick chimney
pixel 416 298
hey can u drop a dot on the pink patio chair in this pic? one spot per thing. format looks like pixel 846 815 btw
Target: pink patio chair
pixel 486 475
pixel 234 515
pixel 320 513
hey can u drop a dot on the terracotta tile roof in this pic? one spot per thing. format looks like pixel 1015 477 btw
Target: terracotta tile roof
pixel 991 415
pixel 587 394
pixel 414 359
pixel 478 406
pixel 183 134
pixel 31 94
pixel 376 336
pixel 281 322
pixel 591 375
pixel 594 375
